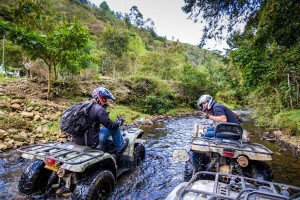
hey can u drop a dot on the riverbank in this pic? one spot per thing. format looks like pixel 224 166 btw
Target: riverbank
pixel 26 117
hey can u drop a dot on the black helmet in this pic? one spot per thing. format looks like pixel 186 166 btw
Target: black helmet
pixel 206 98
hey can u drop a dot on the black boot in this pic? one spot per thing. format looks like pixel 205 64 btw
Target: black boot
pixel 126 141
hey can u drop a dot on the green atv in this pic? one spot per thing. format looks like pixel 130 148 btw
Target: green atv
pixel 79 171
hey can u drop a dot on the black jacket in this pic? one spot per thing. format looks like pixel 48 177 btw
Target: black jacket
pixel 97 116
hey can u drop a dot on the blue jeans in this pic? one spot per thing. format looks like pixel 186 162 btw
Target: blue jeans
pixel 211 133
pixel 104 133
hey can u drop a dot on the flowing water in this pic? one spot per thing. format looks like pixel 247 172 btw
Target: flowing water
pixel 158 174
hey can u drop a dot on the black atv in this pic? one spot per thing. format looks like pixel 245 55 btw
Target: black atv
pixel 78 171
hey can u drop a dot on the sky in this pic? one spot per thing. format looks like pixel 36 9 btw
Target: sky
pixel 169 20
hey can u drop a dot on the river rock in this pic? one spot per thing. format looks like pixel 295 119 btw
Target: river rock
pixel 12 131
pixel 2 146
pixel 29 109
pixel 37 118
pixel 15 106
pixel 2 113
pixel 43 122
pixel 4 104
pixel 17 101
pixel 2 133
pixel 18 144
pixel 277 134
pixel 9 145
pixel 27 115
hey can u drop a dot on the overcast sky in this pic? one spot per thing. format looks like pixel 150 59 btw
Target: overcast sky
pixel 169 19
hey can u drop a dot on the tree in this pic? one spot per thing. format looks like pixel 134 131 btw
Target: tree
pixel 62 46
pixel 136 17
pixel 103 6
pixel 221 14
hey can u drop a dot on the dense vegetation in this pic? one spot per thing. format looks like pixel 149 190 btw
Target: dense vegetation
pixel 265 55
pixel 73 40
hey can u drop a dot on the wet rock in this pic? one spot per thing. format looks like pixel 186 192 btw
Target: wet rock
pixel 143 121
pixel 149 122
pixel 18 144
pixel 277 134
pixel 31 141
pixel 27 115
pixel 15 106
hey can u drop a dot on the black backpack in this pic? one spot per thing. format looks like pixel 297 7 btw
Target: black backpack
pixel 75 120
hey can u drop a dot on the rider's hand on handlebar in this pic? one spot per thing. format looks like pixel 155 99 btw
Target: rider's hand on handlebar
pixel 204 115
pixel 120 120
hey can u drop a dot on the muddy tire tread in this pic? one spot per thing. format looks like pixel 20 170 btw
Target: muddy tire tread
pixel 34 178
pixel 87 186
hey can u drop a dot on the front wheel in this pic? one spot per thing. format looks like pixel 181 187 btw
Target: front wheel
pixel 34 178
pixel 96 185
pixel 197 163
pixel 261 171
pixel 139 153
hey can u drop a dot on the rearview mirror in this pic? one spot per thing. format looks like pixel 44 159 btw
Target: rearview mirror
pixel 180 155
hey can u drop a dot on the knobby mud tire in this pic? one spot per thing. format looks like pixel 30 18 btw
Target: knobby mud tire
pixel 139 154
pixel 95 185
pixel 197 162
pixel 34 178
pixel 261 171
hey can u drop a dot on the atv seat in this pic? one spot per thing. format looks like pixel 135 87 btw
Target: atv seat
pixel 225 131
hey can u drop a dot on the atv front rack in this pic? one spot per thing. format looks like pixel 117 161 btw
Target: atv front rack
pixel 68 153
pixel 242 187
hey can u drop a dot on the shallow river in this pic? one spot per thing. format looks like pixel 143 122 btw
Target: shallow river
pixel 158 174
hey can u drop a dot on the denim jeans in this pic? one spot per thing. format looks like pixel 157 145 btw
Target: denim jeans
pixel 211 133
pixel 104 133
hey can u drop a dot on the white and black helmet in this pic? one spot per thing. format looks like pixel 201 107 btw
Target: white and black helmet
pixel 206 98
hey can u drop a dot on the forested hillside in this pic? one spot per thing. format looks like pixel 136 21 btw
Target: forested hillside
pixel 64 39
pixel 74 40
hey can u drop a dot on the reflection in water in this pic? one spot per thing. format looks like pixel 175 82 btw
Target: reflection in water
pixel 158 174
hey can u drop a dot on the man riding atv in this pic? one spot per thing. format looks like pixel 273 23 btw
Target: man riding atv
pixel 87 167
pixel 96 137
pixel 222 148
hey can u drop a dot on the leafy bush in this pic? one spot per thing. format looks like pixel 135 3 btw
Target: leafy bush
pixel 154 104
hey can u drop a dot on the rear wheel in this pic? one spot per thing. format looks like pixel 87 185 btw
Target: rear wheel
pixel 261 171
pixel 95 185
pixel 139 153
pixel 34 178
pixel 197 163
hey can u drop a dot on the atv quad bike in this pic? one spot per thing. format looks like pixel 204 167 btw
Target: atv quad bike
pixel 228 186
pixel 80 171
pixel 227 152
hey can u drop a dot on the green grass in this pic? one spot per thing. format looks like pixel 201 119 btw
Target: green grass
pixel 129 114
pixel 4 79
pixel 179 110
pixel 289 121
